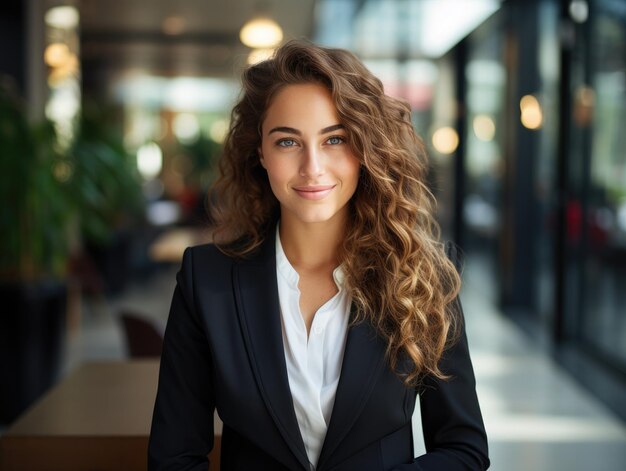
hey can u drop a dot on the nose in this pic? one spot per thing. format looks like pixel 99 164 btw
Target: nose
pixel 312 164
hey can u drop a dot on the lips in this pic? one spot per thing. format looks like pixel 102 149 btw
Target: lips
pixel 313 192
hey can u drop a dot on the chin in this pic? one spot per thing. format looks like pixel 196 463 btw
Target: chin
pixel 315 217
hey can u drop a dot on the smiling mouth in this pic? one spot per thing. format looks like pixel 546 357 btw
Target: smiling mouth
pixel 314 192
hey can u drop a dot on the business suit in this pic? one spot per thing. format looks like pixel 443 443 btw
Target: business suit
pixel 223 348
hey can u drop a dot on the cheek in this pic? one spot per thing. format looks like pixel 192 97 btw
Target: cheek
pixel 352 170
pixel 278 172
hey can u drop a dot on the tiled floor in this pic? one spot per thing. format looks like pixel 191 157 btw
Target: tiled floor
pixel 100 335
pixel 537 417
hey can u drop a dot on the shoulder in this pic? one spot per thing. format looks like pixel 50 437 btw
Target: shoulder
pixel 210 261
pixel 205 262
pixel 206 253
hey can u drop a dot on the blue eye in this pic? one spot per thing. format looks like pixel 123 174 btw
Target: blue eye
pixel 286 143
pixel 336 140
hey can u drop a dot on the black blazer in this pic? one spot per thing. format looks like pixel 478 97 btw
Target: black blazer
pixel 223 348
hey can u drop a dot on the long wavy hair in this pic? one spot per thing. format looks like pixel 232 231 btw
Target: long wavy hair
pixel 396 268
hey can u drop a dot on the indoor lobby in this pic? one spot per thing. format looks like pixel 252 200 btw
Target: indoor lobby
pixel 113 116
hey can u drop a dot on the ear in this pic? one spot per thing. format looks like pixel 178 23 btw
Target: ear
pixel 261 159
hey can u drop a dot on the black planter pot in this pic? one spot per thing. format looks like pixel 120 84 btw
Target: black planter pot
pixel 32 326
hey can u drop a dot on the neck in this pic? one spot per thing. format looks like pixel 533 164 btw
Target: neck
pixel 312 245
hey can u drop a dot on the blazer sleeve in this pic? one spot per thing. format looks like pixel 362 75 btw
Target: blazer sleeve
pixel 182 423
pixel 452 423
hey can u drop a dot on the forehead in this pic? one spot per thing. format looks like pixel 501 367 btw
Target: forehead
pixel 301 105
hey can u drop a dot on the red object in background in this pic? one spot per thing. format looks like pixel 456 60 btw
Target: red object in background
pixel 574 218
pixel 188 200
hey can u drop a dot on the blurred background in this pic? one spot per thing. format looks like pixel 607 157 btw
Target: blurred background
pixel 112 116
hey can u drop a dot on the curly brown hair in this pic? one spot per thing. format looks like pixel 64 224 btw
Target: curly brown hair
pixel 396 269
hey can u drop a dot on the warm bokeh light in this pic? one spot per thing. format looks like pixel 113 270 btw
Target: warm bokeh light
pixel 57 54
pixel 445 140
pixel 62 17
pixel 149 160
pixel 531 114
pixel 261 33
pixel 71 67
pixel 258 55
pixel 484 127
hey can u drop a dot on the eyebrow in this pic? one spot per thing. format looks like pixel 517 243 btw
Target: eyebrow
pixel 297 132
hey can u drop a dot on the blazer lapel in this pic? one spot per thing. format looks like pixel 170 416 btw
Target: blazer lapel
pixel 363 359
pixel 256 294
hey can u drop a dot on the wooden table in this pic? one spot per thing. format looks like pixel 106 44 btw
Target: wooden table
pixel 98 418
pixel 170 246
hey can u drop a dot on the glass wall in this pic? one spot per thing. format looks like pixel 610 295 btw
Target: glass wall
pixel 544 187
pixel 602 325
pixel 511 129
pixel 485 122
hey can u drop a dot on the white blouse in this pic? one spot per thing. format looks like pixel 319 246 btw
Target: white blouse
pixel 313 363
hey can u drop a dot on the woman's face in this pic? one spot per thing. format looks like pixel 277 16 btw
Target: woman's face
pixel 310 165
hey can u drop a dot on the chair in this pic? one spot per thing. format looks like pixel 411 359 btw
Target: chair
pixel 143 337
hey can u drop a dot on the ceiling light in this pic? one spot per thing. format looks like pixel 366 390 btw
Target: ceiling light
pixel 261 32
pixel 64 17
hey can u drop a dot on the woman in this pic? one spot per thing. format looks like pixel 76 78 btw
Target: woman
pixel 327 302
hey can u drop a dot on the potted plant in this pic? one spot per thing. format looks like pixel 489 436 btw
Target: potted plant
pixel 35 218
pixel 111 202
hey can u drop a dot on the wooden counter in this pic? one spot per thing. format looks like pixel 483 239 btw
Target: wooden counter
pixel 170 246
pixel 98 418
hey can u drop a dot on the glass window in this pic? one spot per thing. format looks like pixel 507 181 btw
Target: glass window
pixel 604 312
pixel 485 77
